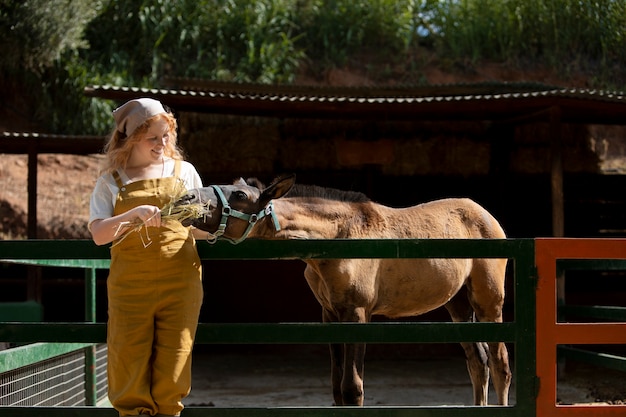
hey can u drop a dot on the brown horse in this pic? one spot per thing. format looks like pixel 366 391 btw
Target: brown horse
pixel 353 290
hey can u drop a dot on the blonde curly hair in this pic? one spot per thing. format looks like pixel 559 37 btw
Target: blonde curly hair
pixel 118 148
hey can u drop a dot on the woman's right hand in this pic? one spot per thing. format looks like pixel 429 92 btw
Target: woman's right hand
pixel 105 231
pixel 149 215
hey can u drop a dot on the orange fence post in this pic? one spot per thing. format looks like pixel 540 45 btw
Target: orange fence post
pixel 550 333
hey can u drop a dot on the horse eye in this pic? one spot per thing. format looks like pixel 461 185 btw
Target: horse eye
pixel 240 195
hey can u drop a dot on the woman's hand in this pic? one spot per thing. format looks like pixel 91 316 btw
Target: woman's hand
pixel 105 231
pixel 149 215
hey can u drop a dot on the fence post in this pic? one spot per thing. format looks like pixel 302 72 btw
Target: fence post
pixel 524 310
pixel 91 395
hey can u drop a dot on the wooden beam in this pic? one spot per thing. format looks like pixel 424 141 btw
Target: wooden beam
pixel 556 172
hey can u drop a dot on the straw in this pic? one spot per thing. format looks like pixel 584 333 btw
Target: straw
pixel 169 212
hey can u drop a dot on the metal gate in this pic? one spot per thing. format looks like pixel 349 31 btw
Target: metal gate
pixel 551 332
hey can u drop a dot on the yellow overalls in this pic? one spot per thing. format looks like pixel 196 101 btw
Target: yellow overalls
pixel 154 295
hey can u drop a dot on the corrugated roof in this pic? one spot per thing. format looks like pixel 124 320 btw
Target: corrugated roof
pixel 498 101
pixel 198 84
pixel 19 143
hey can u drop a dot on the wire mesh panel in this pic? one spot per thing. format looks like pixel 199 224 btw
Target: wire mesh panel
pixel 57 380
pixel 54 382
pixel 101 371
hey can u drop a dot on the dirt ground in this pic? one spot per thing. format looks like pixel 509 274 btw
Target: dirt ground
pixel 64 185
pixel 300 376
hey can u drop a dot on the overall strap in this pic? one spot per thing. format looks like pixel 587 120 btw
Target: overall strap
pixel 118 179
pixel 177 165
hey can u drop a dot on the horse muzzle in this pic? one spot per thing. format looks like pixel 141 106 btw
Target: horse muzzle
pixel 208 200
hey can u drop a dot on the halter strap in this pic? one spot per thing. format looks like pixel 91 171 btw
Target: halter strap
pixel 228 211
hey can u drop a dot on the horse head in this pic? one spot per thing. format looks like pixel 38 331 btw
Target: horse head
pixel 232 210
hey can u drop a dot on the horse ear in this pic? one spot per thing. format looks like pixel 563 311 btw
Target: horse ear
pixel 255 182
pixel 277 188
pixel 239 181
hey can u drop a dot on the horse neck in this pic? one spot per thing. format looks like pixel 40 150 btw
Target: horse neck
pixel 307 218
pixel 314 218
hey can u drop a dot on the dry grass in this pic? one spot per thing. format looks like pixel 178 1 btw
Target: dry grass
pixel 171 211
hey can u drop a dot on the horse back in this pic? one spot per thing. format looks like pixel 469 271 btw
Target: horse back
pixel 451 218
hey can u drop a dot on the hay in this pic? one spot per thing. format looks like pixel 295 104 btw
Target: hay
pixel 169 212
pixel 182 212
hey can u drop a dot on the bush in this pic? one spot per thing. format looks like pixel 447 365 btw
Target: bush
pixel 239 40
pixel 336 29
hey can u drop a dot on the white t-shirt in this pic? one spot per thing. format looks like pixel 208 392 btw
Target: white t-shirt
pixel 105 192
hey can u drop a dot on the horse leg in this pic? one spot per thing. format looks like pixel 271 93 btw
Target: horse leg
pixel 501 371
pixel 486 295
pixel 348 362
pixel 352 384
pixel 336 372
pixel 336 362
pixel 475 353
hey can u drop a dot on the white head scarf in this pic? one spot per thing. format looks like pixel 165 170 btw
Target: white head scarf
pixel 132 114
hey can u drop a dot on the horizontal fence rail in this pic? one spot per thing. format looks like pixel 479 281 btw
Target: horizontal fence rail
pixel 280 333
pixel 80 250
pixel 369 411
pixel 520 332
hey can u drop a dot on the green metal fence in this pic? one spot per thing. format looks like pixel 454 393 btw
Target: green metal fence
pixel 520 332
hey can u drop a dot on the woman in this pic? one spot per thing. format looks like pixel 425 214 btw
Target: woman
pixel 154 284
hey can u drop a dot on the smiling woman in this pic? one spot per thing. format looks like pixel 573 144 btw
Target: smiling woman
pixel 143 146
pixel 154 283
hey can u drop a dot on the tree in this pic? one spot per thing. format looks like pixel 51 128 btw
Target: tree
pixel 35 34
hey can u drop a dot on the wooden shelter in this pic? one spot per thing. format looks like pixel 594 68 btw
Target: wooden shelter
pixel 502 110
pixel 503 103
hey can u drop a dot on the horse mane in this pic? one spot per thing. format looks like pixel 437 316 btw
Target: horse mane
pixel 315 191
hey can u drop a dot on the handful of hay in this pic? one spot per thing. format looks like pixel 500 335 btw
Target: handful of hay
pixel 170 211
pixel 182 212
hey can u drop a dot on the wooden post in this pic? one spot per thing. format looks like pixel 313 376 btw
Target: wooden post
pixel 556 172
pixel 32 190
pixel 33 272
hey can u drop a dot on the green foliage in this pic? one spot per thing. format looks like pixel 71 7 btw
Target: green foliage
pixel 52 49
pixel 64 106
pixel 564 34
pixel 239 40
pixel 35 36
pixel 337 29
pixel 36 32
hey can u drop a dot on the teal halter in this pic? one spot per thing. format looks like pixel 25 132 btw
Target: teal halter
pixel 228 211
